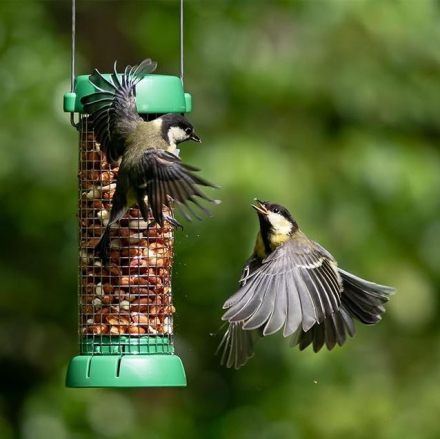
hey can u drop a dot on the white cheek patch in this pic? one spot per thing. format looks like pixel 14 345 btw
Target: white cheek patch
pixel 176 135
pixel 280 224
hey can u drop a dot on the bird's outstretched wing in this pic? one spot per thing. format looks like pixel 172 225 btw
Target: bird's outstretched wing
pixel 112 108
pixel 163 175
pixel 297 285
pixel 360 300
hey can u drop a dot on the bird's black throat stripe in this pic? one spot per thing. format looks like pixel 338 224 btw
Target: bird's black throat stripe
pixel 265 228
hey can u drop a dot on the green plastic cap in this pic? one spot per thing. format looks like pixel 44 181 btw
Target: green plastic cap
pixel 154 94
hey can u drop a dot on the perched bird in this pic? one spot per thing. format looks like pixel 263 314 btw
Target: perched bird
pixel 292 281
pixel 149 165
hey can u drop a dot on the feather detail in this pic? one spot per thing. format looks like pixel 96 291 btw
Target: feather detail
pixel 112 108
pixel 166 178
pixel 361 300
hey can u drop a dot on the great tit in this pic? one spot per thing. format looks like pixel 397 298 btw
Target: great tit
pixel 149 165
pixel 292 281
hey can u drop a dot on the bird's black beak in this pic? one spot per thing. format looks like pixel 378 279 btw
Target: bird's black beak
pixel 261 208
pixel 195 138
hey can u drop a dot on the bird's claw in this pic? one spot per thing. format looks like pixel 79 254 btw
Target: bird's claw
pixel 172 221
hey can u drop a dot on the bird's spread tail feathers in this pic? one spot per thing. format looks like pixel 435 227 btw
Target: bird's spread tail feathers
pixel 361 300
pixel 364 300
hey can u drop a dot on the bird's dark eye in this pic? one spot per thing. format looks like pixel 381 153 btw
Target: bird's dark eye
pixel 276 210
pixel 188 130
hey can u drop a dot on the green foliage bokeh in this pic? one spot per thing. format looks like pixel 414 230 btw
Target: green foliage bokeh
pixel 328 107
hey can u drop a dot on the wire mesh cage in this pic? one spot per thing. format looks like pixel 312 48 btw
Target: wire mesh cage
pixel 126 309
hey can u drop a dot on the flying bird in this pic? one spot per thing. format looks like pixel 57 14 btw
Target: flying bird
pixel 149 164
pixel 292 282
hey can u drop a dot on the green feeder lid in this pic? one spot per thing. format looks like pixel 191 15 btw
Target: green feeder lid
pixel 154 94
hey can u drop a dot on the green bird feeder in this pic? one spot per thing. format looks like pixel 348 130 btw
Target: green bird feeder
pixel 125 306
pixel 125 319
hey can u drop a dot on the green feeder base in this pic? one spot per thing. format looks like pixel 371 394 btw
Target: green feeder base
pixel 126 371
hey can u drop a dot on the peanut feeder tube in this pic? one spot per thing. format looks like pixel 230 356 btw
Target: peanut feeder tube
pixel 125 307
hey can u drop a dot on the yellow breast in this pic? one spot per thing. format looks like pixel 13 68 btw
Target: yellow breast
pixel 260 248
pixel 278 239
pixel 275 240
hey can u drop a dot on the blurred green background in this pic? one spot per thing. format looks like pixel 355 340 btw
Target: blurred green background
pixel 331 108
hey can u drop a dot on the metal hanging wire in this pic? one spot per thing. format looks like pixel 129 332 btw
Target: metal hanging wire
pixel 72 55
pixel 72 61
pixel 181 41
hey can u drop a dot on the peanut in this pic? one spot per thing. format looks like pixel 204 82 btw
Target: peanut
pixel 97 329
pixel 136 330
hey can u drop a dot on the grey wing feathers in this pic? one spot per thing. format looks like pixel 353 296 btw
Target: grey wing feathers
pixel 113 107
pixel 295 286
pixel 333 330
pixel 360 300
pixel 237 346
pixel 164 175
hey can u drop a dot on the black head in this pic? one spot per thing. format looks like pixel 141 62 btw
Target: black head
pixel 176 129
pixel 274 218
